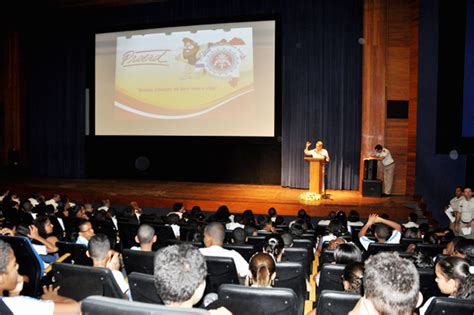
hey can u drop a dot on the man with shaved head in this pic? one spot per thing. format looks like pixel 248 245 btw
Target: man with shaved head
pixel 214 235
pixel 145 237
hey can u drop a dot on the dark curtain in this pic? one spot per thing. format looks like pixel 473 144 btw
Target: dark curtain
pixel 55 102
pixel 322 89
pixel 319 63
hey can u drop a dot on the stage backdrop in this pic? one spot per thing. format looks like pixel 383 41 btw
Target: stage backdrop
pixel 318 85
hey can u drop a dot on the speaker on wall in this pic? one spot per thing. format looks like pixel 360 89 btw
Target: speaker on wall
pixel 372 188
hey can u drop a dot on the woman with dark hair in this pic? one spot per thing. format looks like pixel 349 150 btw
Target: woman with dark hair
pixel 274 246
pixel 352 278
pixel 41 232
pixel 262 267
pixel 454 279
pixel 248 217
pixel 347 253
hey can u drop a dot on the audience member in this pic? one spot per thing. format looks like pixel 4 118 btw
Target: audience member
pixel 272 213
pixel 454 279
pixel 145 237
pixel 12 282
pixel 102 256
pixel 412 218
pixel 347 253
pixel 239 237
pixel 352 278
pixel 274 246
pixel 353 219
pixel 85 233
pixel 214 235
pixel 381 231
pixel 391 286
pixel 262 271
pixel 287 239
pixel 235 222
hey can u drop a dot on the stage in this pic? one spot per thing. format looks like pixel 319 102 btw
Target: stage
pixel 209 196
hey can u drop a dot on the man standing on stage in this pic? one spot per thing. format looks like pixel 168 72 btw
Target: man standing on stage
pixel 320 153
pixel 388 163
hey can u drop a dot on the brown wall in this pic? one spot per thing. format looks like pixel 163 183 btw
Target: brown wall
pixel 390 73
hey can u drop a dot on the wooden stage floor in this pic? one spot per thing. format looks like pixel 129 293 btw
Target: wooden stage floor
pixel 209 196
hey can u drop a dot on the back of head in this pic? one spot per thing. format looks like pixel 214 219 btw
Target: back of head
pixel 177 207
pixel 382 232
pixel 222 214
pixel 172 218
pixel 250 230
pixel 239 236
pixel 353 276
pixel 391 283
pixel 296 229
pixel 272 212
pixel 335 227
pixel 274 245
pixel 457 269
pixel 4 256
pixel 287 239
pixel 302 213
pixel 353 216
pixel 99 247
pixel 413 217
pixel 262 266
pixel 347 253
pixel 179 271
pixel 341 216
pixel 145 234
pixel 279 220
pixel 216 232
pixel 465 247
pixel 248 217
pixel 378 147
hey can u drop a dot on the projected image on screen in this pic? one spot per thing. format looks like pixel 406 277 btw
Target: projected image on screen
pixel 208 80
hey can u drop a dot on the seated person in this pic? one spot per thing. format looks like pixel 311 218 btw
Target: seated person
pixel 352 277
pixel 287 239
pixel 145 237
pixel 12 282
pixel 42 232
pixel 412 218
pixel 454 279
pixel 178 209
pixel 335 228
pixel 331 216
pixel 391 286
pixel 347 253
pixel 262 271
pixel 381 231
pixel 85 232
pixel 180 276
pixel 251 230
pixel 235 222
pixel 267 226
pixel 172 220
pixel 214 235
pixel 272 213
pixel 239 237
pixel 274 246
pixel 102 256
pixel 353 219
pixel 464 248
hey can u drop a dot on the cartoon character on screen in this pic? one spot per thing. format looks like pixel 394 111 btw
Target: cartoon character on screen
pixel 190 55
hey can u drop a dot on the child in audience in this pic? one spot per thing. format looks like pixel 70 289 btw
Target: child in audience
pixel 44 235
pixel 352 277
pixel 262 271
pixel 454 279
pixel 85 233
pixel 12 282
pixel 381 231
pixel 145 237
pixel 239 237
pixel 335 228
pixel 347 253
pixel 353 219
pixel 391 286
pixel 274 246
pixel 272 213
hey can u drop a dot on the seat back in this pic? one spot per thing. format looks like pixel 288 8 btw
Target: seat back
pixel 29 263
pixel 335 302
pixel 430 250
pixel 298 255
pixel 291 275
pixel 164 233
pixel 78 282
pixel 258 301
pixel 220 270
pixel 106 228
pixel 256 241
pixel 77 252
pixel 330 278
pixel 99 305
pixel 138 261
pixel 143 288
pixel 428 285
pixel 375 248
pixel 245 250
pixel 444 305
pixel 327 257
pixel 405 241
pixel 127 232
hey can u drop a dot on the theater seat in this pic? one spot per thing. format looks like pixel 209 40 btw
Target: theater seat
pixel 99 305
pixel 220 270
pixel 78 282
pixel 375 248
pixel 430 250
pixel 330 278
pixel 336 303
pixel 77 252
pixel 327 257
pixel 29 264
pixel 138 261
pixel 291 275
pixel 143 288
pixel 245 250
pixel 447 306
pixel 298 255
pixel 256 241
pixel 241 300
pixel 428 285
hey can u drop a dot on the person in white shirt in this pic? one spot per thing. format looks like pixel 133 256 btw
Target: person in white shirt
pixel 11 281
pixel 383 154
pixel 214 235
pixel 104 205
pixel 412 218
pixel 319 152
pixel 458 196
pixel 54 201
pixel 102 256
pixel 85 233
pixel 145 237
pixel 465 215
pixel 381 231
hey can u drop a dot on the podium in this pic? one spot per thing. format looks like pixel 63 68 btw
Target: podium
pixel 315 174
